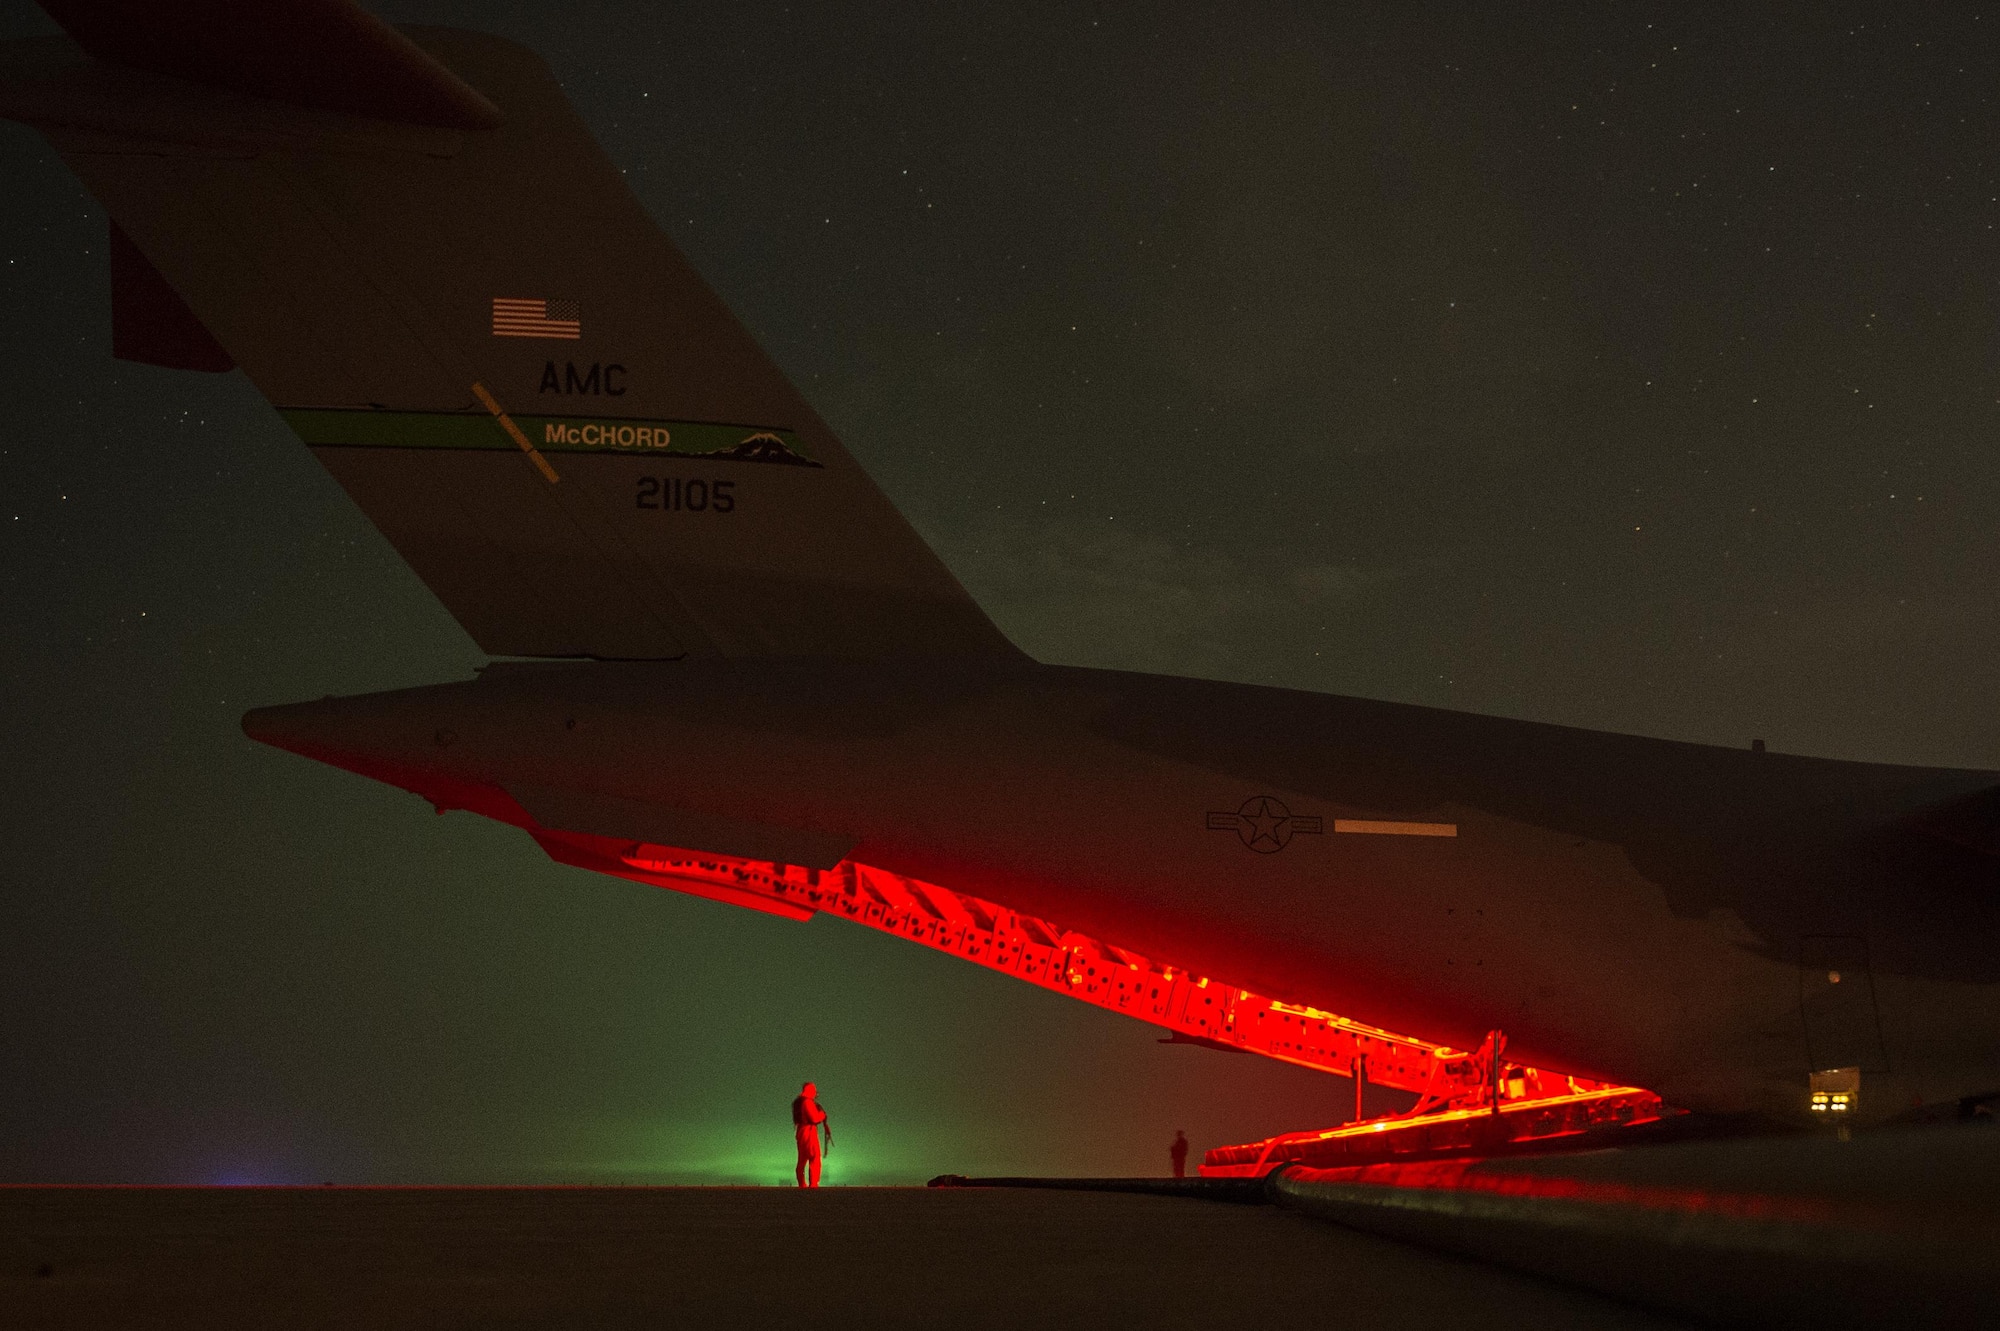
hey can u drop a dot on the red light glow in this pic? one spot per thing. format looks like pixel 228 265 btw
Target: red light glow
pixel 1468 1101
pixel 1469 1130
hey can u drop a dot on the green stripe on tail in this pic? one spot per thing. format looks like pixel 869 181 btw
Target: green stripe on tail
pixel 362 427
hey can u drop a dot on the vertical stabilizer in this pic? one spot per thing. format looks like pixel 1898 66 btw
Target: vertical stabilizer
pixel 474 325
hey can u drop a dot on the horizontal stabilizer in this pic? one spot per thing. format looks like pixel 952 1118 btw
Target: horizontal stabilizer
pixel 329 54
pixel 150 323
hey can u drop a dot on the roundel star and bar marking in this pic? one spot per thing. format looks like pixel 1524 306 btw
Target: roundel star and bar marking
pixel 1265 825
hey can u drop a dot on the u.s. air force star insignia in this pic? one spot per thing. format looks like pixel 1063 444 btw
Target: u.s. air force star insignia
pixel 1264 824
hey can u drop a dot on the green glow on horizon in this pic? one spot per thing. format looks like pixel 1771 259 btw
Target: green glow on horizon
pixel 718 1154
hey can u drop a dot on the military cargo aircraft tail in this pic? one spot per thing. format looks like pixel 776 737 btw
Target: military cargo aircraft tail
pixel 414 249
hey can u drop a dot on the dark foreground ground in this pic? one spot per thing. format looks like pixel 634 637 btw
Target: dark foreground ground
pixel 615 1258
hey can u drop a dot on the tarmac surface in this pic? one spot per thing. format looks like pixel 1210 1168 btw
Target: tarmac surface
pixel 615 1258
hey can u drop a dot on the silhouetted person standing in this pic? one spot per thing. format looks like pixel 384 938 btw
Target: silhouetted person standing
pixel 1179 1152
pixel 807 1121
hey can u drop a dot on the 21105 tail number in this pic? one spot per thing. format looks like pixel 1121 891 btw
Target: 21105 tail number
pixel 675 494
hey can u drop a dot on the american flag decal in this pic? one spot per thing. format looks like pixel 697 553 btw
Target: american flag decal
pixel 537 318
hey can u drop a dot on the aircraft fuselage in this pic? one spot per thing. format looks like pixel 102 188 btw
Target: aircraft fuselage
pixel 1661 914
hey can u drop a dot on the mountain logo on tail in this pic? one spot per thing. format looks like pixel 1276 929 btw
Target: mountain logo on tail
pixel 764 446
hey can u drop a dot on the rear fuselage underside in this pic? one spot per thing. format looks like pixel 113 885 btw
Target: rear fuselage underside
pixel 1648 912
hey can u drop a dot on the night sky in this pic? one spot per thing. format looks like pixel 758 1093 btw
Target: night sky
pixel 1628 367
